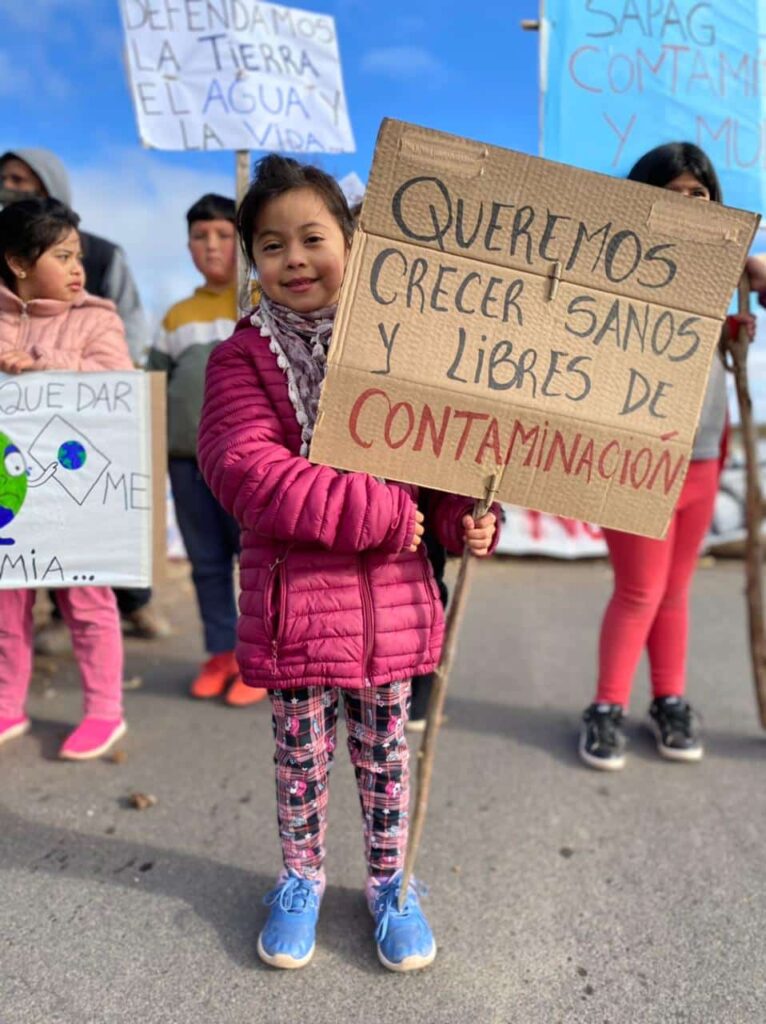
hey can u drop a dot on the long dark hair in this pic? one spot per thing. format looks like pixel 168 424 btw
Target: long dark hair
pixel 275 175
pixel 665 163
pixel 29 228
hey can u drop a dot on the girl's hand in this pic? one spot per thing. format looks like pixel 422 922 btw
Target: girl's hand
pixel 756 272
pixel 479 533
pixel 419 531
pixel 16 361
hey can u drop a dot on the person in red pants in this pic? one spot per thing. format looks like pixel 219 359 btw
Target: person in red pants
pixel 649 607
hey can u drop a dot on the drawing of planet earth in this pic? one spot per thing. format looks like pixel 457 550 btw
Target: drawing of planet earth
pixel 13 481
pixel 72 455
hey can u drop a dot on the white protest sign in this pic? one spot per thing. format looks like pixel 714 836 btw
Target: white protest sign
pixel 226 74
pixel 76 481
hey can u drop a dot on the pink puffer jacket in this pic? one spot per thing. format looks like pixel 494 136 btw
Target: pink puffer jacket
pixel 329 595
pixel 85 334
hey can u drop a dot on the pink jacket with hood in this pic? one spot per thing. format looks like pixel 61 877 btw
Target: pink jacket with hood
pixel 329 594
pixel 86 334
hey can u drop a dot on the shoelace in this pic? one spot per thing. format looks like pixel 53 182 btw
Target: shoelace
pixel 295 895
pixel 387 904
pixel 678 715
pixel 606 726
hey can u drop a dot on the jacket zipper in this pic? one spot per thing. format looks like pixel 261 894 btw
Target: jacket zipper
pixel 368 636
pixel 23 326
pixel 277 569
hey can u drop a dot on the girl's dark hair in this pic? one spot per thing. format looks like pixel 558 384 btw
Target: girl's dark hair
pixel 664 163
pixel 30 227
pixel 356 211
pixel 211 207
pixel 275 175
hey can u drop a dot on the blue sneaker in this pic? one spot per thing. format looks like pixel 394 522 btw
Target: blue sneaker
pixel 404 937
pixel 287 939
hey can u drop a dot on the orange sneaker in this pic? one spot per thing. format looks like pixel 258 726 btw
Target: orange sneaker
pixel 239 694
pixel 215 675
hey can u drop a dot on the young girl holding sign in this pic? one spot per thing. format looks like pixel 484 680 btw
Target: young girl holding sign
pixel 49 322
pixel 650 603
pixel 338 600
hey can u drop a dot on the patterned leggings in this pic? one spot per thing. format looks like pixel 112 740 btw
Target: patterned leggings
pixel 304 722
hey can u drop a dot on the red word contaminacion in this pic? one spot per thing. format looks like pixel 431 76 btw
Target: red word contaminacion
pixel 480 436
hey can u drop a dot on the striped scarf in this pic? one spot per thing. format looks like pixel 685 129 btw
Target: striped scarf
pixel 300 342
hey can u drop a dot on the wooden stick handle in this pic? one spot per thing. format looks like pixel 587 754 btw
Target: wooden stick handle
pixel 242 180
pixel 738 348
pixel 438 693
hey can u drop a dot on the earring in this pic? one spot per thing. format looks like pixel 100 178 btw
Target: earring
pixel 22 273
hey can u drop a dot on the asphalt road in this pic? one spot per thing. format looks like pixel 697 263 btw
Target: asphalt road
pixel 558 895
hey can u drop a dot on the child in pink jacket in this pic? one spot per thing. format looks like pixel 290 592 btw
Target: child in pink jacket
pixel 338 597
pixel 49 322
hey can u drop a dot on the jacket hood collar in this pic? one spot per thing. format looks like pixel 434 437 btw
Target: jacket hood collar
pixel 11 303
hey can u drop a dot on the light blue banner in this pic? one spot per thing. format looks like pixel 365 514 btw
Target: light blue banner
pixel 620 77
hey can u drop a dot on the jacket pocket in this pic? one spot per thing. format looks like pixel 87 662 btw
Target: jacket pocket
pixel 430 584
pixel 275 603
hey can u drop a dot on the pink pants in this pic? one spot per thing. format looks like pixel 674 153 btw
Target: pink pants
pixel 305 727
pixel 650 603
pixel 91 615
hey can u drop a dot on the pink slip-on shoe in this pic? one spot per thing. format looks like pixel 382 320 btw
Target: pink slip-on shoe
pixel 92 738
pixel 10 728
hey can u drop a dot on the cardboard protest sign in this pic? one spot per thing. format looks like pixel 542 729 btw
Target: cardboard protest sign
pixel 225 74
pixel 504 313
pixel 82 476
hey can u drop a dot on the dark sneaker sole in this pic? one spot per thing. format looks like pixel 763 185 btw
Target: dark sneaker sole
pixel 283 960
pixel 689 756
pixel 603 764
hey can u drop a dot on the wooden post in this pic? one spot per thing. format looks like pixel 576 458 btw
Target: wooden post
pixel 242 179
pixel 738 349
pixel 438 693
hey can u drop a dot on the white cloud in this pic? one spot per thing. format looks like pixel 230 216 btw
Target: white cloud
pixel 140 202
pixel 352 187
pixel 403 62
pixel 14 81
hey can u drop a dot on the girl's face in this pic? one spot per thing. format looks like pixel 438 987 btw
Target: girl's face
pixel 57 274
pixel 687 185
pixel 212 244
pixel 299 251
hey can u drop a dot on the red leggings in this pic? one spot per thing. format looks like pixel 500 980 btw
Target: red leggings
pixel 650 603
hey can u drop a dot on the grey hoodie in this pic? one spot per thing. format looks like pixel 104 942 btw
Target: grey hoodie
pixel 118 284
pixel 707 443
pixel 48 168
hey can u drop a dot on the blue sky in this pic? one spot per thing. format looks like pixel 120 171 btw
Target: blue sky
pixel 63 86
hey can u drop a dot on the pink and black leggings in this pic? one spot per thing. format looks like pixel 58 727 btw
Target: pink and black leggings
pixel 304 722
pixel 650 603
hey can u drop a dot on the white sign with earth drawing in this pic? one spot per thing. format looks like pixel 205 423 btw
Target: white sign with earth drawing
pixel 75 480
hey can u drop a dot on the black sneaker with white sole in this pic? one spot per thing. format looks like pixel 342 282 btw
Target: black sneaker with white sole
pixel 602 741
pixel 676 728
